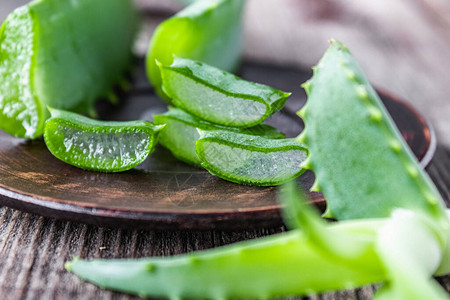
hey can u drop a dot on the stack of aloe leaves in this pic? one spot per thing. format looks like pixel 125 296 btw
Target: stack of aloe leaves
pixel 220 128
pixel 393 227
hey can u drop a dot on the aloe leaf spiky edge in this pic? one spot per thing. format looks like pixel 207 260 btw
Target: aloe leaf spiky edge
pixel 229 100
pixel 376 152
pixel 361 139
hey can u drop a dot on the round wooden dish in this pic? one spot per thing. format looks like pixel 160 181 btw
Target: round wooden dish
pixel 164 193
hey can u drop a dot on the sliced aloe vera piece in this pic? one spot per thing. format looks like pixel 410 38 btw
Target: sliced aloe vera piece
pixel 53 53
pixel 249 159
pixel 99 145
pixel 206 30
pixel 217 96
pixel 180 133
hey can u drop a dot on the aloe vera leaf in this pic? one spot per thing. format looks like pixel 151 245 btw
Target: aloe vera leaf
pixel 411 253
pixel 218 96
pixel 281 265
pixel 249 159
pixel 53 53
pixel 362 165
pixel 99 145
pixel 180 133
pixel 206 30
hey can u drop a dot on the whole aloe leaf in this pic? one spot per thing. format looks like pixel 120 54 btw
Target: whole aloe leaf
pixel 356 151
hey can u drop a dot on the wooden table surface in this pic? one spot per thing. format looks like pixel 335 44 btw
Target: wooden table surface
pixel 404 47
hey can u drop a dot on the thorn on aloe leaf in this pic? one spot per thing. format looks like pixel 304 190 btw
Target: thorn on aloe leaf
pixel 315 187
pixel 375 114
pixel 301 138
pixel 307 86
pixel 327 213
pixel 307 164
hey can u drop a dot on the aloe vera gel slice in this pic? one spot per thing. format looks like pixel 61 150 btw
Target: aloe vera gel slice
pixel 217 96
pixel 180 133
pixel 99 145
pixel 206 30
pixel 64 54
pixel 248 159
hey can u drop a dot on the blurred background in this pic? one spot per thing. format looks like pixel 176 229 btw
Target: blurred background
pixel 402 45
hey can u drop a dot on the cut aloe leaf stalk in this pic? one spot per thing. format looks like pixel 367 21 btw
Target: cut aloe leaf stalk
pixel 206 30
pixel 180 133
pixel 217 96
pixel 53 53
pixel 99 145
pixel 248 159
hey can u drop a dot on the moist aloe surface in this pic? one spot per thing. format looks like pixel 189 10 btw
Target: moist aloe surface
pixel 250 159
pixel 218 96
pixel 99 145
pixel 180 133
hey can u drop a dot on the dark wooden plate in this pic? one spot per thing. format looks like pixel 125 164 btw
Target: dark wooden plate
pixel 164 193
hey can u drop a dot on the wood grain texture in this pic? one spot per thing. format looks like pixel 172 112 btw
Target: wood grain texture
pixel 402 44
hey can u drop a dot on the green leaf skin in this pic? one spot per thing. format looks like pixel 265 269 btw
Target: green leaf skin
pixel 180 133
pixel 65 54
pixel 206 30
pixel 249 159
pixel 276 266
pixel 218 96
pixel 362 164
pixel 99 145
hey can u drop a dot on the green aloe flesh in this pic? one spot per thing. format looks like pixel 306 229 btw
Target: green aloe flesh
pixel 65 54
pixel 249 159
pixel 218 96
pixel 180 133
pixel 99 145
pixel 356 151
pixel 206 30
